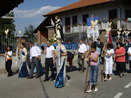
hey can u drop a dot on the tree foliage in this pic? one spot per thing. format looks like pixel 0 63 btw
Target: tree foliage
pixel 29 31
pixel 8 24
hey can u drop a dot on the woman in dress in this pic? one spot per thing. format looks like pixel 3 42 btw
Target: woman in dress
pixel 23 72
pixel 8 56
pixel 109 61
pixel 93 73
pixel 61 54
pixel 120 58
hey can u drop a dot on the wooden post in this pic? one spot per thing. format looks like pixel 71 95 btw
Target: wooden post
pixel 5 52
pixel 103 64
pixel 87 74
pixel 6 32
pixel 103 71
pixel 87 70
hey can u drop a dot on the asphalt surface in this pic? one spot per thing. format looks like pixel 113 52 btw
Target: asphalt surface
pixel 14 87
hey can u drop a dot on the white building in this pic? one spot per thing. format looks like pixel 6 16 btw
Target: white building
pixel 74 17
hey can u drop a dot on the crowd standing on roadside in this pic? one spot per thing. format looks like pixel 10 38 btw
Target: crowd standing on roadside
pixel 97 52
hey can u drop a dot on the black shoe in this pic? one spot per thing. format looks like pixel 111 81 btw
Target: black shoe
pixel 52 79
pixel 46 80
pixel 9 75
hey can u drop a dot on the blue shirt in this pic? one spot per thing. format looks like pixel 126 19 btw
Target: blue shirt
pixel 99 51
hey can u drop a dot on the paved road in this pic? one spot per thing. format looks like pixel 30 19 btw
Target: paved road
pixel 15 87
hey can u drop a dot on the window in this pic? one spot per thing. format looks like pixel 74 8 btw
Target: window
pixel 67 21
pixel 127 13
pixel 113 14
pixel 74 20
pixel 113 17
pixel 67 24
pixel 85 16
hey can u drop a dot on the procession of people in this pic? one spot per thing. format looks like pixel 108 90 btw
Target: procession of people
pixel 97 53
pixel 56 57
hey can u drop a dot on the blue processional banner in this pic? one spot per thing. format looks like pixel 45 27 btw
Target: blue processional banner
pixel 69 46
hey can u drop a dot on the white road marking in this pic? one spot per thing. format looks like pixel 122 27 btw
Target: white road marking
pixel 128 85
pixel 118 95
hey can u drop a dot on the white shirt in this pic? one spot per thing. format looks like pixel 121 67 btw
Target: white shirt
pixel 129 51
pixel 49 51
pixel 82 48
pixel 35 51
pixel 109 52
pixel 9 53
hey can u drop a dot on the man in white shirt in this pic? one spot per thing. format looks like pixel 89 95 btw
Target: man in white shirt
pixel 49 51
pixel 81 55
pixel 35 53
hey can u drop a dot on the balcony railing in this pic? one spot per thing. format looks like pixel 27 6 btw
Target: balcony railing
pixel 76 29
pixel 101 26
pixel 118 25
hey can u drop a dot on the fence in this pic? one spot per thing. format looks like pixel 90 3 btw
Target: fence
pixel 10 41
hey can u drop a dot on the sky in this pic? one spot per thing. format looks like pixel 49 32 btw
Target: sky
pixel 31 11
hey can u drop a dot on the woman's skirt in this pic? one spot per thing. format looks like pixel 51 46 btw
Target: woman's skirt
pixel 120 67
pixel 23 72
pixel 61 78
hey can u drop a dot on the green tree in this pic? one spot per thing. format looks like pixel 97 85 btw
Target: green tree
pixel 29 31
pixel 8 24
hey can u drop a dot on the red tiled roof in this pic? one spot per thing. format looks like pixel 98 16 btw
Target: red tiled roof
pixel 79 4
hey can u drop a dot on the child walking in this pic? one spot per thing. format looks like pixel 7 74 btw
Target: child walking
pixel 93 73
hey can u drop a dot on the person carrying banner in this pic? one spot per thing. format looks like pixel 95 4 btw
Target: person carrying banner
pixel 61 53
pixel 93 72
pixel 109 60
pixel 8 56
pixel 81 55
pixel 23 72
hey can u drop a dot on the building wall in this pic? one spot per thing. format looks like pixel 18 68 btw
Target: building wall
pixel 42 36
pixel 102 11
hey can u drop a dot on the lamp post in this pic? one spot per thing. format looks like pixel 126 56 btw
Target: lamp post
pixel 20 32
pixel 6 32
